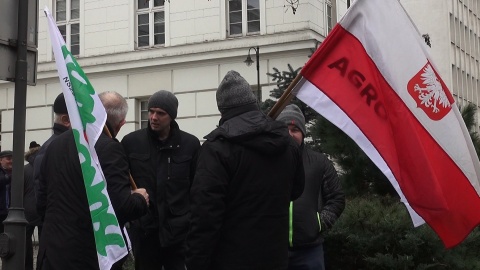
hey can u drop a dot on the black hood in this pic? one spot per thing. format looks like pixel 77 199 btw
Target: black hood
pixel 254 130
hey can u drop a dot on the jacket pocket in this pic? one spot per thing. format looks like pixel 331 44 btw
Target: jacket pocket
pixel 178 185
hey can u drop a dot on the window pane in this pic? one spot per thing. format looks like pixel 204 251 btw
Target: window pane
pixel 63 31
pixel 61 10
pixel 159 3
pixel 253 4
pixel 158 17
pixel 235 5
pixel 142 4
pixel 253 27
pixel 144 115
pixel 75 39
pixel 75 28
pixel 142 41
pixel 159 28
pixel 143 107
pixel 143 19
pixel 236 17
pixel 143 30
pixel 75 49
pixel 235 29
pixel 253 15
pixel 159 39
pixel 75 10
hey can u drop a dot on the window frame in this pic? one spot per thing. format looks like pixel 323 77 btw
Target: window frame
pixel 142 123
pixel 68 23
pixel 328 17
pixel 151 10
pixel 244 21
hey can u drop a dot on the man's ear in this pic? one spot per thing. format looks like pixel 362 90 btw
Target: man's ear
pixel 66 120
pixel 120 125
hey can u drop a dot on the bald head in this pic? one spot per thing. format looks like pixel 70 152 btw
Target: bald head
pixel 116 107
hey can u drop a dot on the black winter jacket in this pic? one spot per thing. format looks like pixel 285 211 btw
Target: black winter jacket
pixel 37 182
pixel 321 203
pixel 5 180
pixel 248 171
pixel 29 201
pixel 67 240
pixel 164 170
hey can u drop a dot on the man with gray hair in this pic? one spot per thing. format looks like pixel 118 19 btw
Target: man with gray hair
pixel 67 240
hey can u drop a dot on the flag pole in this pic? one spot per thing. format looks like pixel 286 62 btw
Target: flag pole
pixel 132 182
pixel 286 96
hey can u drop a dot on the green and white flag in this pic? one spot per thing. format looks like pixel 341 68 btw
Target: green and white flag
pixel 88 116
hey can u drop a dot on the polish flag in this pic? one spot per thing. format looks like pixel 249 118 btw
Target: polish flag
pixel 373 78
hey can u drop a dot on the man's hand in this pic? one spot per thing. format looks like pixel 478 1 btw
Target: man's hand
pixel 142 192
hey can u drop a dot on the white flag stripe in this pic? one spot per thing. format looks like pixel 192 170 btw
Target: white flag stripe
pixel 321 103
pixel 408 46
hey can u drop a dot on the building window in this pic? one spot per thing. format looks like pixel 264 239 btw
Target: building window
pixel 150 23
pixel 243 17
pixel 143 113
pixel 328 16
pixel 67 14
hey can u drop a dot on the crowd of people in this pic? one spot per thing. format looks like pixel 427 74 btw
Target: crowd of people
pixel 252 196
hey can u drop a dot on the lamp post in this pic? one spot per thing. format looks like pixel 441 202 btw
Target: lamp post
pixel 249 62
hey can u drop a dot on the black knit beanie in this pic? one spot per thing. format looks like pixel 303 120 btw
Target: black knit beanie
pixel 292 115
pixel 59 105
pixel 166 101
pixel 234 91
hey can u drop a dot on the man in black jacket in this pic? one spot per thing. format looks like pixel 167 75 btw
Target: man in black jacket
pixel 320 205
pixel 160 158
pixel 61 123
pixel 68 238
pixel 248 171
pixel 29 204
pixel 5 181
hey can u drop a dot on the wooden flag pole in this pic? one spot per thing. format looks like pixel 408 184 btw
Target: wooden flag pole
pixel 132 182
pixel 286 97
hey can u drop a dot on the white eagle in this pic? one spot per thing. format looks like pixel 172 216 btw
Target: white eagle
pixel 433 94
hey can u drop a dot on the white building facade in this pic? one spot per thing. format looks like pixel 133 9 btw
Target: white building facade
pixel 185 46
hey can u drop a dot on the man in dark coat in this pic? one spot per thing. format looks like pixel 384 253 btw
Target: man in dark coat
pixel 67 239
pixel 248 171
pixel 61 123
pixel 29 204
pixel 160 157
pixel 5 181
pixel 320 205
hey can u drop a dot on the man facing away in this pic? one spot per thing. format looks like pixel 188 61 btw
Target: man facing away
pixel 61 123
pixel 248 171
pixel 320 205
pixel 5 181
pixel 67 240
pixel 160 158
pixel 29 204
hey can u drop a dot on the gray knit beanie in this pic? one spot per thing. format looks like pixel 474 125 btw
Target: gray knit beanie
pixel 292 115
pixel 166 101
pixel 234 91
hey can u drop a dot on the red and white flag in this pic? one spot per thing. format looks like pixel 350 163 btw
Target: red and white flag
pixel 373 78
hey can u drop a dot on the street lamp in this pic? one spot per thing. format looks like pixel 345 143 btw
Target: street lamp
pixel 249 62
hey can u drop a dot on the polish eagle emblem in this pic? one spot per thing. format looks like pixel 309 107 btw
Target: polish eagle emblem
pixel 430 93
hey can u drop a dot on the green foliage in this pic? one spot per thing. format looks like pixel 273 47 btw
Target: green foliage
pixel 376 233
pixel 468 114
